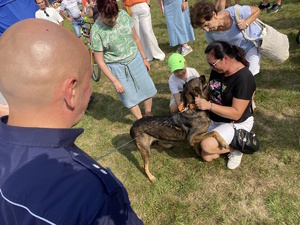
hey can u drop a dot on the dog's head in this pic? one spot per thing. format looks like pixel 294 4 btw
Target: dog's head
pixel 193 88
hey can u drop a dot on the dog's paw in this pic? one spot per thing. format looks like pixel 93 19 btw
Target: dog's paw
pixel 153 179
pixel 225 145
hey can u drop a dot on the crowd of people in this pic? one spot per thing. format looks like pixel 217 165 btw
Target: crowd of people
pixel 37 148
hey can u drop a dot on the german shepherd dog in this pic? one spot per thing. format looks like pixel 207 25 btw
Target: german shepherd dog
pixel 190 124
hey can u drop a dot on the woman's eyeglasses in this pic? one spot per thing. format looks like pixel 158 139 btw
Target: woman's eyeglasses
pixel 215 63
pixel 46 13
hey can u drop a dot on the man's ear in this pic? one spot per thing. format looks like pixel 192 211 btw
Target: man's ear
pixel 70 92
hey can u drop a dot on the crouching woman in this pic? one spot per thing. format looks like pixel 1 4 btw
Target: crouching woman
pixel 230 89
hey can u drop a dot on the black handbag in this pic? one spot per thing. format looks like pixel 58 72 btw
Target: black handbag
pixel 245 141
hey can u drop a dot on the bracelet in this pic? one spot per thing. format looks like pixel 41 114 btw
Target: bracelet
pixel 144 58
pixel 210 106
pixel 247 25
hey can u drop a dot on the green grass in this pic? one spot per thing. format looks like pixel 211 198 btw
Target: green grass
pixel 265 189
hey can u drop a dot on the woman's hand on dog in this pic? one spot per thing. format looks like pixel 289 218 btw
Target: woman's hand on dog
pixel 202 104
pixel 119 87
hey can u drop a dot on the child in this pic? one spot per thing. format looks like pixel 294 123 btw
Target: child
pixel 180 75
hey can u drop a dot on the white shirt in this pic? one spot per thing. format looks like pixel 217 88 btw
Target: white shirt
pixel 176 84
pixel 71 6
pixel 54 16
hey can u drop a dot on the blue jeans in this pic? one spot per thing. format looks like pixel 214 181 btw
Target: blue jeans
pixel 77 25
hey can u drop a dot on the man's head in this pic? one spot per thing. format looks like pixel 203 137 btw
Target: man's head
pixel 177 64
pixel 45 76
pixel 41 4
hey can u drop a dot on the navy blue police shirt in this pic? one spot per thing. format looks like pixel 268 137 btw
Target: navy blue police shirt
pixel 46 179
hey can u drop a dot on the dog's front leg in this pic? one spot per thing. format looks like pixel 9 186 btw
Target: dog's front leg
pixel 195 138
pixel 214 134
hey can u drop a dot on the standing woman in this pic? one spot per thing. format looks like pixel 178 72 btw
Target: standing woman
pixel 142 21
pixel 222 26
pixel 120 55
pixel 230 89
pixel 178 23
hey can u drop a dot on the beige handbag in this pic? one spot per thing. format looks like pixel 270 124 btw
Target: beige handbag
pixel 274 45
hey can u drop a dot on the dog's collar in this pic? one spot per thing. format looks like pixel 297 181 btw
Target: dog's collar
pixel 183 108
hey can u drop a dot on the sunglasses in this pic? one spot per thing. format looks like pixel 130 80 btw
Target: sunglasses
pixel 215 63
pixel 46 13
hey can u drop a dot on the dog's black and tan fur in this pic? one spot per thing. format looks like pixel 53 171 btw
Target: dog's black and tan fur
pixel 190 124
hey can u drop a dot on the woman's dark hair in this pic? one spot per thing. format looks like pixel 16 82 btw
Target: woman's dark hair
pixel 108 8
pixel 201 10
pixel 221 48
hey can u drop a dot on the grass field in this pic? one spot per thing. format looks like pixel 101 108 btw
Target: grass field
pixel 265 189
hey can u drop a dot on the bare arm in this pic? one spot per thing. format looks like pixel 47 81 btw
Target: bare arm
pixel 83 8
pixel 243 24
pixel 99 59
pixel 138 43
pixel 183 6
pixel 65 16
pixel 234 112
pixel 161 6
pixel 177 98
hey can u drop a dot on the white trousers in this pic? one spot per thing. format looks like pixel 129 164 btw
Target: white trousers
pixel 143 26
pixel 254 58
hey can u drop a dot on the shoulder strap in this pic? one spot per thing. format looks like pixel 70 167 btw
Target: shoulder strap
pixel 256 22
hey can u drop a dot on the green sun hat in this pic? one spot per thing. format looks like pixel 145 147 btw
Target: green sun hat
pixel 176 62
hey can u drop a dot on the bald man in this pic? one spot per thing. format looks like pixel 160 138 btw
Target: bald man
pixel 44 177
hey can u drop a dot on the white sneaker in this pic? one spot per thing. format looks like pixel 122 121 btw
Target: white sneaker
pixel 186 50
pixel 235 159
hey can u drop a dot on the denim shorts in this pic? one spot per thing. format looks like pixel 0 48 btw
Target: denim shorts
pixel 77 25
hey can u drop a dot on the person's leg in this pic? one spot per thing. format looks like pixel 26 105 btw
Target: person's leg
pixel 136 111
pixel 254 58
pixel 210 149
pixel 185 49
pixel 275 7
pixel 222 5
pixel 137 13
pixel 76 28
pixel 148 107
pixel 150 40
pixel 216 4
pixel 228 3
pixel 264 5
